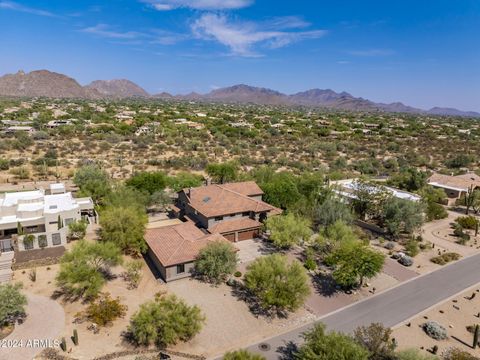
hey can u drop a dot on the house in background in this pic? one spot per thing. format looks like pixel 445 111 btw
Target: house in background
pixel 455 186
pixel 234 210
pixel 173 249
pixel 43 214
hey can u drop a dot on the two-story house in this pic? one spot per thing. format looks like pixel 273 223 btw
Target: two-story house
pixel 234 210
pixel 43 214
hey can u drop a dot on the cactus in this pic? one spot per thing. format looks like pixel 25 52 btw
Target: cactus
pixel 475 336
pixel 63 344
pixel 434 349
pixel 75 337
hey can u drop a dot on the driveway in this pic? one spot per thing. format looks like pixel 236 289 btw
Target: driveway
pixel 390 307
pixel 249 250
pixel 44 323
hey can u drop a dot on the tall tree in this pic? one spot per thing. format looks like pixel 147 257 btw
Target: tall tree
pixel 223 173
pixel 149 182
pixel 353 263
pixel 83 268
pixel 125 227
pixel 288 230
pixel 92 181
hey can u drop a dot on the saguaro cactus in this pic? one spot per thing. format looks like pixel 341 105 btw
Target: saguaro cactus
pixel 75 337
pixel 63 344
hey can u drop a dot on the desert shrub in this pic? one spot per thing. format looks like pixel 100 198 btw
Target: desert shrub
pixel 435 330
pixel 457 354
pixel 435 211
pixel 77 229
pixel 165 321
pixel 467 222
pixel 133 273
pixel 445 258
pixel 390 245
pixel 12 303
pixel 237 274
pixel 411 248
pixel 413 354
pixel 242 355
pixel 376 339
pixel 105 310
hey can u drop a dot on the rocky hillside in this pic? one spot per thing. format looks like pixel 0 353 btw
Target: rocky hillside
pixel 118 88
pixel 43 83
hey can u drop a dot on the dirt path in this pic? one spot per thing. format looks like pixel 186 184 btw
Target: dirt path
pixel 45 321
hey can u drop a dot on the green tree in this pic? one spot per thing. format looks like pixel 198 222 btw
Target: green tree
pixel 334 236
pixel 318 344
pixel 332 210
pixel 223 173
pixel 376 339
pixel 125 227
pixel 149 182
pixel 165 321
pixel 242 355
pixel 92 181
pixel 184 180
pixel 125 196
pixel 353 263
pixel 402 216
pixel 277 284
pixel 288 230
pixel 281 191
pixel 216 261
pixel 83 268
pixel 12 303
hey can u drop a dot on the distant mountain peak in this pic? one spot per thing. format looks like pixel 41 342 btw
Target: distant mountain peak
pixel 121 88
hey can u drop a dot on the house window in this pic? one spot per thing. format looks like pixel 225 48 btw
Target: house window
pixel 42 241
pixel 219 218
pixel 56 239
pixel 180 268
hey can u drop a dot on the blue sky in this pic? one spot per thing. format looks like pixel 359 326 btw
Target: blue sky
pixel 424 53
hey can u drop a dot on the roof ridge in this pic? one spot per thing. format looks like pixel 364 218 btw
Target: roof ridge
pixel 257 202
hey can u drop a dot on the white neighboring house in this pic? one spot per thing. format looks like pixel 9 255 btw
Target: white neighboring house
pixel 38 213
pixel 56 123
pixel 346 189
pixel 26 129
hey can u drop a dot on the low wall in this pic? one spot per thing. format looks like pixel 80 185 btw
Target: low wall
pixel 372 227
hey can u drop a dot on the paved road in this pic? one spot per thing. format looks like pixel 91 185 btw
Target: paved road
pixel 45 321
pixel 393 306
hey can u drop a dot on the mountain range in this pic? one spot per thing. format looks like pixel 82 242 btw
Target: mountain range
pixel 44 83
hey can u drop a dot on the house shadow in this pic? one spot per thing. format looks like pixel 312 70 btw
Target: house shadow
pixel 324 284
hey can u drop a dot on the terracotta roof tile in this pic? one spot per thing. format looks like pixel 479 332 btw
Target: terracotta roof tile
pixel 233 225
pixel 460 182
pixel 218 200
pixel 180 243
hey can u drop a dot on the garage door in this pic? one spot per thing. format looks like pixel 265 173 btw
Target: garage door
pixel 230 237
pixel 247 235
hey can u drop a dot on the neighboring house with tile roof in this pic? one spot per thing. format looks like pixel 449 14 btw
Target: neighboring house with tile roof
pixel 173 248
pixel 455 186
pixel 235 210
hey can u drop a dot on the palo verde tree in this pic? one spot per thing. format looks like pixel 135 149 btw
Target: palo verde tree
pixel 216 261
pixel 288 230
pixel 318 344
pixel 223 173
pixel 92 181
pixel 277 284
pixel 83 268
pixel 165 321
pixel 354 262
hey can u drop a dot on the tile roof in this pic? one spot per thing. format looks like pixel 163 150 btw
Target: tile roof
pixel 218 200
pixel 233 225
pixel 178 244
pixel 459 182
pixel 248 188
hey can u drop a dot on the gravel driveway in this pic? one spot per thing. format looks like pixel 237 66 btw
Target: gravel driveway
pixel 44 323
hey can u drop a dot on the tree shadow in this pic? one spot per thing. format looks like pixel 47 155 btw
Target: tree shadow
pixel 324 284
pixel 242 293
pixel 287 351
